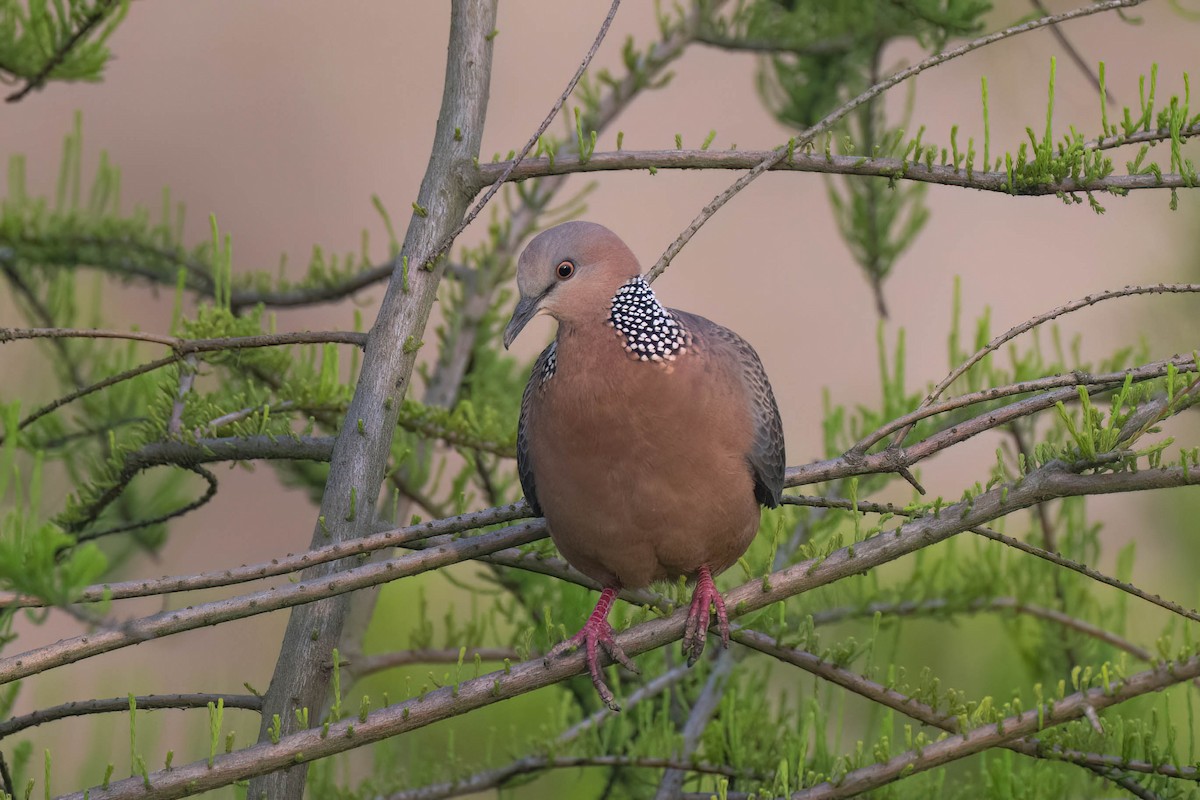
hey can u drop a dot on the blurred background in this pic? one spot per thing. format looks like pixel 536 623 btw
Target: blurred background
pixel 283 120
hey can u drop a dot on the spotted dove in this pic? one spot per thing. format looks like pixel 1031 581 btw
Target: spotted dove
pixel 648 436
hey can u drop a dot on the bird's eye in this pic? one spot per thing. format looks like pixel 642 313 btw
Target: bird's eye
pixel 565 270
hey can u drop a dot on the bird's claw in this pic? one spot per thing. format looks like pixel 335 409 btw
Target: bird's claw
pixel 596 635
pixel 699 617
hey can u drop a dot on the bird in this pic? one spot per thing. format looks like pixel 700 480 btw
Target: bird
pixel 648 437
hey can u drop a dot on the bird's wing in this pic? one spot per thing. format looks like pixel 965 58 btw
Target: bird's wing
pixel 766 456
pixel 524 467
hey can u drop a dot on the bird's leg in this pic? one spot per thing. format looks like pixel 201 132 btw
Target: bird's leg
pixel 597 633
pixel 694 633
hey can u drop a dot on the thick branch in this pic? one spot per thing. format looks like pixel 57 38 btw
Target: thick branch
pixel 363 447
pixel 1053 480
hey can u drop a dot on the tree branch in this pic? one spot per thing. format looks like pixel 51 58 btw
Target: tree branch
pixel 389 537
pixel 928 715
pixel 1033 322
pixel 1052 480
pixel 779 154
pixel 831 164
pixel 86 25
pixel 121 704
pixel 960 746
pixel 362 450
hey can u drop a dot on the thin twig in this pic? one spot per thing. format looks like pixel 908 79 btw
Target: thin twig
pixel 190 455
pixel 78 708
pixel 209 493
pixel 181 348
pixel 497 778
pixel 6 777
pixel 186 346
pixel 698 718
pixel 943 606
pixel 1072 52
pixel 369 665
pixel 1156 369
pixel 928 715
pixel 1003 732
pixel 558 104
pixel 739 44
pixel 1033 322
pixel 389 537
pixel 780 153
pixel 1016 544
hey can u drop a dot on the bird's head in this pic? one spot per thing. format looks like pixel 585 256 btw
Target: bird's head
pixel 571 272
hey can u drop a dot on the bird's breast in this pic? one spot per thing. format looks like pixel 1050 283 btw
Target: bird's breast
pixel 641 466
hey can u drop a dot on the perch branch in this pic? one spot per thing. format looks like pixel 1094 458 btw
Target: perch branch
pixel 1052 480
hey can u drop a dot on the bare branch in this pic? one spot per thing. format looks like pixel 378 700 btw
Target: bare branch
pixel 186 346
pixel 389 537
pixel 558 104
pixel 1052 480
pixel 369 665
pixel 121 704
pixel 826 164
pixel 865 687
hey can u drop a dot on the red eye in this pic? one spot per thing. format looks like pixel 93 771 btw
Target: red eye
pixel 565 270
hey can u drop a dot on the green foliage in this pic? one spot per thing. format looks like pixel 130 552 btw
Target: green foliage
pixel 899 626
pixel 30 547
pixel 63 40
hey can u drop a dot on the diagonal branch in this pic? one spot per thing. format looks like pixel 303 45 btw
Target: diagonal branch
pixel 915 709
pixel 1033 322
pixel 1052 480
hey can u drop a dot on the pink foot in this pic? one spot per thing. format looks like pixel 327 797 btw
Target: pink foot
pixel 596 634
pixel 694 633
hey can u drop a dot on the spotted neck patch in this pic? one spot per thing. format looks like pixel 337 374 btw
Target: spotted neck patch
pixel 550 365
pixel 651 332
